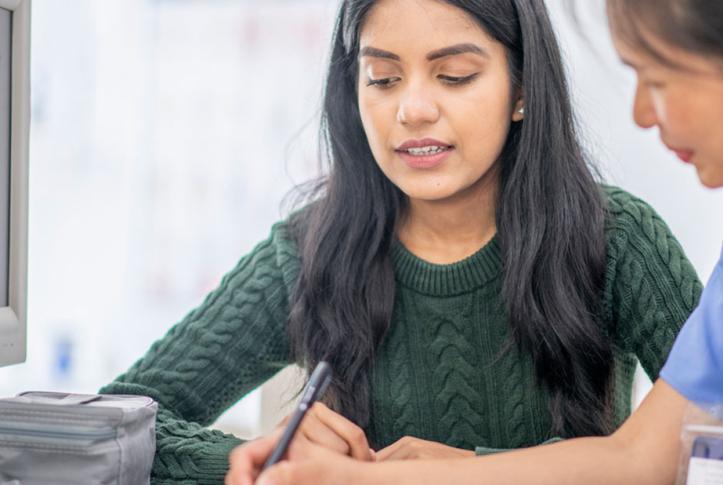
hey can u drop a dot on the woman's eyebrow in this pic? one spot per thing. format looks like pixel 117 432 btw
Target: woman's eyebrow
pixel 452 50
pixel 374 52
pixel 456 50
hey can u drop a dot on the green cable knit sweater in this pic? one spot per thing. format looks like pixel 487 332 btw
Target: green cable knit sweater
pixel 438 375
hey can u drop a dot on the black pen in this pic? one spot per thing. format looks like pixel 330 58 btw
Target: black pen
pixel 318 382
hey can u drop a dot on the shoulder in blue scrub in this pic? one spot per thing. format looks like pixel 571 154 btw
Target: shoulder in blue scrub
pixel 695 365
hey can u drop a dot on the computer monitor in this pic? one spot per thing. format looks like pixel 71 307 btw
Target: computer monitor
pixel 14 131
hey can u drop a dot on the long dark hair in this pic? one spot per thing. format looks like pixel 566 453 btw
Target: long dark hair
pixel 550 220
pixel 692 25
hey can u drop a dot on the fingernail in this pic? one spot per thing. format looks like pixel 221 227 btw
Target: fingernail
pixel 265 481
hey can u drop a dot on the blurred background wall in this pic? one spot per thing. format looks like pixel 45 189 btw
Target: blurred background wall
pixel 165 135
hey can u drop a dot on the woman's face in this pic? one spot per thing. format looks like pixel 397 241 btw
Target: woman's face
pixel 685 103
pixel 434 97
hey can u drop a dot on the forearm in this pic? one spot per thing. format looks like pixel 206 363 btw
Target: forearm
pixel 587 460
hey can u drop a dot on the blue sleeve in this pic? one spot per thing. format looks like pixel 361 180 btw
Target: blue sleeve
pixel 695 365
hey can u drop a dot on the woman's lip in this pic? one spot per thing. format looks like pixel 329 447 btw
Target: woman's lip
pixel 684 155
pixel 425 142
pixel 424 161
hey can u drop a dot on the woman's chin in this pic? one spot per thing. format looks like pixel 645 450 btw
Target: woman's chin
pixel 429 194
pixel 711 177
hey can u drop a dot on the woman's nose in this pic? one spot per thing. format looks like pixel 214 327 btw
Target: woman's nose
pixel 643 108
pixel 417 107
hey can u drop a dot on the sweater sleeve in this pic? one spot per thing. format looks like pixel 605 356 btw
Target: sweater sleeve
pixel 234 341
pixel 651 287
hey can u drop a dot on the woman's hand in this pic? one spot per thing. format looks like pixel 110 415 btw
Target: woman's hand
pixel 322 431
pixel 331 430
pixel 410 448
pixel 247 460
pixel 307 464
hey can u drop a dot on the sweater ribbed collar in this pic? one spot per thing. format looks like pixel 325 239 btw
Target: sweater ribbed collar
pixel 447 279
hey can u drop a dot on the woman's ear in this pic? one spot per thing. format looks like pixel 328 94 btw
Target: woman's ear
pixel 519 111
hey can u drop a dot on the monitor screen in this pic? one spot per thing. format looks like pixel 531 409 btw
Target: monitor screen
pixel 14 131
pixel 5 56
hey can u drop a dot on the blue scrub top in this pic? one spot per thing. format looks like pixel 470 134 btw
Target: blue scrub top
pixel 695 365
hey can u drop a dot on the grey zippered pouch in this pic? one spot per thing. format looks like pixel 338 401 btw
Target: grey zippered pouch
pixel 57 438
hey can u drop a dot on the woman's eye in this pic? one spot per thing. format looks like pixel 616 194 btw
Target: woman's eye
pixel 382 83
pixel 654 84
pixel 454 80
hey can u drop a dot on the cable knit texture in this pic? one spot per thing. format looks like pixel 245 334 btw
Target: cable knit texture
pixel 440 374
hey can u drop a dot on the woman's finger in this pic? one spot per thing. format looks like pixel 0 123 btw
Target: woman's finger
pixel 393 451
pixel 352 434
pixel 320 433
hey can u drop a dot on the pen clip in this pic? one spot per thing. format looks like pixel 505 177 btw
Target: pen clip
pixel 318 383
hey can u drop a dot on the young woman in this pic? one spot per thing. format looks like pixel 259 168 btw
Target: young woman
pixel 470 283
pixel 676 49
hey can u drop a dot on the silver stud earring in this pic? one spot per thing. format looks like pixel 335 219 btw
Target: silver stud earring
pixel 521 110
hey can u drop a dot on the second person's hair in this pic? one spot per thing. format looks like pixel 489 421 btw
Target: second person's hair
pixel 692 25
